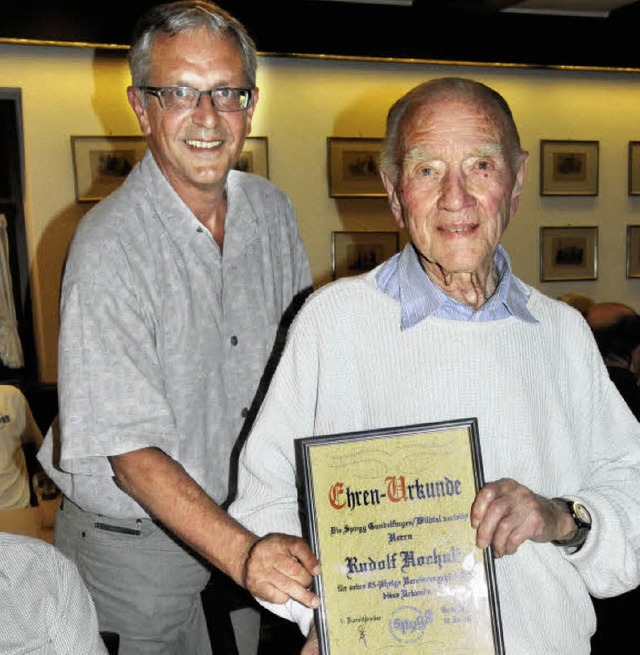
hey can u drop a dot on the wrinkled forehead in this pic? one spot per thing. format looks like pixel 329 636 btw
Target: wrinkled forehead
pixel 452 120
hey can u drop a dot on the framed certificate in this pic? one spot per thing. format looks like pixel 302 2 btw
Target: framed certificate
pixel 387 514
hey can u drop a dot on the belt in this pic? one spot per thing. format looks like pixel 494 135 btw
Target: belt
pixel 122 526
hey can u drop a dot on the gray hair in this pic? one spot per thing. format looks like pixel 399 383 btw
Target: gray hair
pixel 438 89
pixel 183 15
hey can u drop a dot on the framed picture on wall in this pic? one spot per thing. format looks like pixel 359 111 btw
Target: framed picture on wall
pixel 569 168
pixel 633 250
pixel 353 168
pixel 353 253
pixel 568 253
pixel 254 157
pixel 634 168
pixel 101 163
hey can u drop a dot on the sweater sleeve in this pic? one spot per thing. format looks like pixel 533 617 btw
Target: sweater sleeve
pixel 607 442
pixel 609 560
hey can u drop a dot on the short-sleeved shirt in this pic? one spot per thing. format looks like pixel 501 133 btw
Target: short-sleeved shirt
pixel 163 337
pixel 17 428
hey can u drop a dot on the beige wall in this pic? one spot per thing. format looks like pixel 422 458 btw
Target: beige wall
pixel 76 91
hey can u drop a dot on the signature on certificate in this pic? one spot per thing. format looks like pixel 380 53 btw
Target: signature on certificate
pixel 363 637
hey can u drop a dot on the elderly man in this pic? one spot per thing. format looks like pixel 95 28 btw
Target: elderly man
pixel 445 330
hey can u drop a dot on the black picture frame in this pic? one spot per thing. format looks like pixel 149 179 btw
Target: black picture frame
pixel 364 594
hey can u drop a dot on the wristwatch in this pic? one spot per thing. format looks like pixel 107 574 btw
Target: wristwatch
pixel 580 514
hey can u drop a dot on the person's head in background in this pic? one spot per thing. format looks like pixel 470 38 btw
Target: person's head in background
pixel 603 314
pixel 193 70
pixel 616 328
pixel 580 301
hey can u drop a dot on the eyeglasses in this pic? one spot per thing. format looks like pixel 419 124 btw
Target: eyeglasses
pixel 186 98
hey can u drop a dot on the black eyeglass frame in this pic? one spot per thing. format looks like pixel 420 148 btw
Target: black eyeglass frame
pixel 158 90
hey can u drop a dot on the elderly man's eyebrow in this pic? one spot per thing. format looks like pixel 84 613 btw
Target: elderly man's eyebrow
pixel 418 153
pixel 489 150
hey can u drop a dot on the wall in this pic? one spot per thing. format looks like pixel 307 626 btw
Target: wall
pixel 79 91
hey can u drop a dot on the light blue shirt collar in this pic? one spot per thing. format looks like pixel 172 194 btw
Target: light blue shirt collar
pixel 403 278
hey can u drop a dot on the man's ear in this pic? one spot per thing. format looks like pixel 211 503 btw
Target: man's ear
pixel 134 96
pixel 516 192
pixel 255 94
pixel 394 199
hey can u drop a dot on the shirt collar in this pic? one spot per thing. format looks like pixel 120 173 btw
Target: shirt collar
pixel 403 278
pixel 240 224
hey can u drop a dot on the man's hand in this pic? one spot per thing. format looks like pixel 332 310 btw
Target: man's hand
pixel 279 567
pixel 311 646
pixel 506 514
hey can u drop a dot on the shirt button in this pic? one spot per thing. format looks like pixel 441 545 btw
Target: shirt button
pixel 199 229
pixel 234 340
pixel 244 412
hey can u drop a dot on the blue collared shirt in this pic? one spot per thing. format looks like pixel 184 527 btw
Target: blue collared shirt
pixel 403 278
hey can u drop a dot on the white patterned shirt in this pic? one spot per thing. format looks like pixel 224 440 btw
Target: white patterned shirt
pixel 164 338
pixel 45 607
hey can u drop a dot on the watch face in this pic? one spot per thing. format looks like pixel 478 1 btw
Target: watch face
pixel 582 513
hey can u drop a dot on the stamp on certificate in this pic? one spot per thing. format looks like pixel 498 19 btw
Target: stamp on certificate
pixel 407 624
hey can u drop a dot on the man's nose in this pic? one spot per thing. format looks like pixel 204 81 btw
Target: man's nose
pixel 454 194
pixel 205 110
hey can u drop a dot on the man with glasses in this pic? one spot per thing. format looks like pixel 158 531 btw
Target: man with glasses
pixel 174 291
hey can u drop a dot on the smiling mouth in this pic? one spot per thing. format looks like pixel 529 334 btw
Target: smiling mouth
pixel 203 145
pixel 459 229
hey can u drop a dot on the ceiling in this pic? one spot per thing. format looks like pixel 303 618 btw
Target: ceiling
pixel 540 33
pixel 594 8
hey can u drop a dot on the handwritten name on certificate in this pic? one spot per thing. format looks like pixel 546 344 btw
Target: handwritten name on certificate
pixel 388 516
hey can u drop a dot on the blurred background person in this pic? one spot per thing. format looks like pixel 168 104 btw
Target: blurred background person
pixel 616 328
pixel 580 301
pixel 20 438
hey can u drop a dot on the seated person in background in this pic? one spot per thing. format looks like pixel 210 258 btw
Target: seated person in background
pixel 616 328
pixel 580 301
pixel 17 429
pixel 603 314
pixel 445 330
pixel 44 604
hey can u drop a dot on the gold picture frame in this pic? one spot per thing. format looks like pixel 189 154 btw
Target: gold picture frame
pixel 569 168
pixel 387 513
pixel 633 251
pixel 568 253
pixel 254 157
pixel 633 168
pixel 353 253
pixel 101 163
pixel 353 167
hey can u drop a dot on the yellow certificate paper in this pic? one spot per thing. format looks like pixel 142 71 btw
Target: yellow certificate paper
pixel 388 517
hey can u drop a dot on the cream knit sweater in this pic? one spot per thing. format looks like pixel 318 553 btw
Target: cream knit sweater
pixel 548 417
